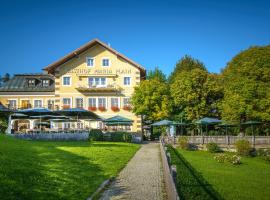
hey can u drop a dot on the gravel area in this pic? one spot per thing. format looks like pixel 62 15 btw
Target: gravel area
pixel 141 179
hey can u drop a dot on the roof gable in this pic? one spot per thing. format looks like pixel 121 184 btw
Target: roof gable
pixel 50 68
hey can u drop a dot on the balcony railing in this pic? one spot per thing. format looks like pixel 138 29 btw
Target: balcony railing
pixel 98 88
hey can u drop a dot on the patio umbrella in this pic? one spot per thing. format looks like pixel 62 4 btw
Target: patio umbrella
pixel 79 113
pixel 251 123
pixel 208 121
pixel 118 120
pixel 163 123
pixel 226 126
pixel 37 112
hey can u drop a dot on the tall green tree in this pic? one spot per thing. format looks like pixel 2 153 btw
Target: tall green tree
pixel 196 94
pixel 247 86
pixel 152 97
pixel 156 74
pixel 186 64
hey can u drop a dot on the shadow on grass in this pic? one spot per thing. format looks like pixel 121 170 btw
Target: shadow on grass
pixel 190 183
pixel 33 171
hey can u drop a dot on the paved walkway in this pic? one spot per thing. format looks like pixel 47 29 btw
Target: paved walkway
pixel 141 179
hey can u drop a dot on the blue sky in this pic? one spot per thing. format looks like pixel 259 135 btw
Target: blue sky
pixel 152 33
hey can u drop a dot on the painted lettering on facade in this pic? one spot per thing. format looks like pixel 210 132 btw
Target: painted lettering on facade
pixel 99 71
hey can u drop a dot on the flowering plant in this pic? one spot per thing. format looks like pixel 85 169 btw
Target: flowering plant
pixel 66 106
pixel 102 108
pixel 127 107
pixel 221 158
pixel 92 108
pixel 115 108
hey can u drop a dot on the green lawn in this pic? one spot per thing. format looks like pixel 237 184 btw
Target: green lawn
pixel 201 177
pixel 58 170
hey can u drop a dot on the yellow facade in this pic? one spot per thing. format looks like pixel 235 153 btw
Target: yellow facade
pixel 96 81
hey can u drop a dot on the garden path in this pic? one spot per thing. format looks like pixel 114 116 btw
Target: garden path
pixel 142 178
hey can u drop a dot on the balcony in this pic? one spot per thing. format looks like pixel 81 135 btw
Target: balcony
pixel 98 88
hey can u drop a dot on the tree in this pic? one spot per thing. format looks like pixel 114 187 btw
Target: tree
pixel 156 73
pixel 186 64
pixel 247 86
pixel 6 77
pixel 196 93
pixel 152 98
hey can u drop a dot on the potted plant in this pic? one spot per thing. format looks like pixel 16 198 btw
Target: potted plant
pixel 115 108
pixel 102 108
pixel 66 106
pixel 127 107
pixel 92 108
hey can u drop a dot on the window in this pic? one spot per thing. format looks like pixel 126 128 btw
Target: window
pixel 102 102
pixel 98 81
pixel 67 125
pixel 66 102
pixel 126 101
pixel 79 102
pixel 92 102
pixel 105 62
pixel 50 104
pixel 90 62
pixel 114 102
pixel 37 103
pixel 66 80
pixel 12 104
pixel 127 80
pixel 31 82
pixel 45 83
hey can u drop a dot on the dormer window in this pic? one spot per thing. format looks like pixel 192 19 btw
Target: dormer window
pixel 45 83
pixel 32 83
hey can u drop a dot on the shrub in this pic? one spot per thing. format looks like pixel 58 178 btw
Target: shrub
pixel 212 147
pixel 264 154
pixel 243 147
pixel 121 137
pixel 233 159
pixel 96 135
pixel 183 143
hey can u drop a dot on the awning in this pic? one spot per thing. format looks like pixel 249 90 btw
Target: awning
pixel 118 120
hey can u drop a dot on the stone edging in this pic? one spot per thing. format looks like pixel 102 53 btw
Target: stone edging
pixel 100 188
pixel 169 182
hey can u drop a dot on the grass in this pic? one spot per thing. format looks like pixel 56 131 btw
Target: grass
pixel 58 170
pixel 202 177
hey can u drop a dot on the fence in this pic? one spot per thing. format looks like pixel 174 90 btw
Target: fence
pixel 52 136
pixel 222 140
pixel 170 173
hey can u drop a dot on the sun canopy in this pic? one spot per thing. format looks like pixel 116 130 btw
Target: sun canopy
pixel 208 121
pixel 36 111
pixel 118 120
pixel 163 123
pixel 80 113
pixel 4 109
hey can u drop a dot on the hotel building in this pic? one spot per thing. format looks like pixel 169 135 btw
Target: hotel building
pixel 94 77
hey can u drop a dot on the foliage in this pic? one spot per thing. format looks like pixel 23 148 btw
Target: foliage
pixel 58 170
pixel 183 143
pixel 199 176
pixel 3 124
pixel 247 86
pixel 196 93
pixel 186 64
pixel 95 135
pixel 212 147
pixel 152 99
pixel 121 137
pixel 157 132
pixel 264 154
pixel 243 147
pixel 233 159
pixel 156 74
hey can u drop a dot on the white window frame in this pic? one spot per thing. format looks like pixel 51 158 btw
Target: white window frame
pixel 67 98
pixel 124 101
pixel 93 62
pixel 118 101
pixel 129 81
pixel 70 80
pixel 106 59
pixel 37 100
pixel 94 81
pixel 106 102
pixel 16 100
pixel 76 102
pixel 96 101
pixel 45 80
